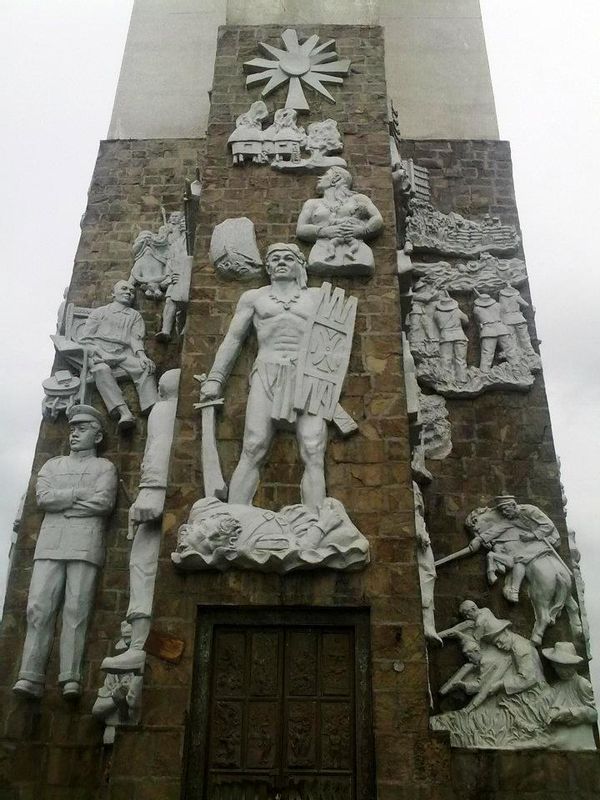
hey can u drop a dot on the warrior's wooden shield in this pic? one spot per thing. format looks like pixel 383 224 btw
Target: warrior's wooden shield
pixel 325 353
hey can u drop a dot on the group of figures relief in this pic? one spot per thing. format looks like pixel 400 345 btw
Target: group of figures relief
pixel 304 339
pixel 469 298
pixel 510 702
pixel 507 702
pixel 281 143
pixel 77 493
pixel 304 336
pixel 106 345
pixel 501 696
pixel 338 224
pixel 439 343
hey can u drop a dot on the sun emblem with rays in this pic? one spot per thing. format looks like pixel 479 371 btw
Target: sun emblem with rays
pixel 301 62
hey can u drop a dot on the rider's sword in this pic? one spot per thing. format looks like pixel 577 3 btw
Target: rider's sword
pixel 214 484
pixel 466 551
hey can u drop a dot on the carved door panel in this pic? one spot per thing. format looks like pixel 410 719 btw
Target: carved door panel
pixel 281 714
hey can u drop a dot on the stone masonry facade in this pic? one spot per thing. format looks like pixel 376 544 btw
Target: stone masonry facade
pixel 501 442
pixel 56 748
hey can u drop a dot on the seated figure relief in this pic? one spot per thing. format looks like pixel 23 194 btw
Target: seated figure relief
pixel 106 344
pixel 281 143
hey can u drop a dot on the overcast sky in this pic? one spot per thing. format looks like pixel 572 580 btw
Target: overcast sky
pixel 59 66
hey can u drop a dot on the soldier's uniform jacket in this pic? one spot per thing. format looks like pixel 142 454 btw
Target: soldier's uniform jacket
pixel 73 530
pixel 490 322
pixel 511 310
pixel 500 531
pixel 450 326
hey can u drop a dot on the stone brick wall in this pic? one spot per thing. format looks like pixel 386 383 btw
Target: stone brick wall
pixel 369 473
pixel 56 747
pixel 501 444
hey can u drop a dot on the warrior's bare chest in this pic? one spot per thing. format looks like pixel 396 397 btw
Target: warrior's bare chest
pixel 294 310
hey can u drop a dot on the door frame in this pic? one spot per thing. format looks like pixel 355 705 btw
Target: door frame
pixel 208 616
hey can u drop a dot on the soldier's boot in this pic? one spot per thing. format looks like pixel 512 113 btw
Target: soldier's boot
pixel 29 689
pixel 126 419
pixel 131 660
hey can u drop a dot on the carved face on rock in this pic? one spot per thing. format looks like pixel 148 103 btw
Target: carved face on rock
pixel 282 264
pixel 564 671
pixel 177 220
pixel 472 651
pixel 123 292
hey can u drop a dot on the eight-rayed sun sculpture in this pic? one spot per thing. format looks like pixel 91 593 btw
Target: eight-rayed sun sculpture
pixel 309 62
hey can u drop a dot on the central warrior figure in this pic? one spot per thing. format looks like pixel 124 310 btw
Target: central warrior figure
pixel 280 314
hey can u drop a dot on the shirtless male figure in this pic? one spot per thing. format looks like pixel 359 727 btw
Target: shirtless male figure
pixel 280 314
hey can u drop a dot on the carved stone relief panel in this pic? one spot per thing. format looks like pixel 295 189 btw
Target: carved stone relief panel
pixel 145 516
pixel 339 223
pixel 322 141
pixel 435 425
pixel 521 543
pixel 106 344
pixel 486 274
pixel 62 389
pixel 430 429
pixel 510 704
pixel 426 562
pixel 296 381
pixel 430 231
pixel 438 340
pixel 246 141
pixel 233 249
pixel 580 590
pixel 77 493
pixel 162 268
pixel 282 142
pixel 439 322
pixel 303 62
pixel 119 699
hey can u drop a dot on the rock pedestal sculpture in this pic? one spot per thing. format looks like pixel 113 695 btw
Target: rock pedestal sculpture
pixel 233 249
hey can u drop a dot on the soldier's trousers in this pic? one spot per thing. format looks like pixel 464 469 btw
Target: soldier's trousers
pixel 488 346
pixel 143 566
pixel 70 584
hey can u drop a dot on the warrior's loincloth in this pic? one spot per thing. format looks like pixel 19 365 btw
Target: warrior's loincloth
pixel 278 379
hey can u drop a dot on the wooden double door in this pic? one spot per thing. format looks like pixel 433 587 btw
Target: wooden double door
pixel 280 706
